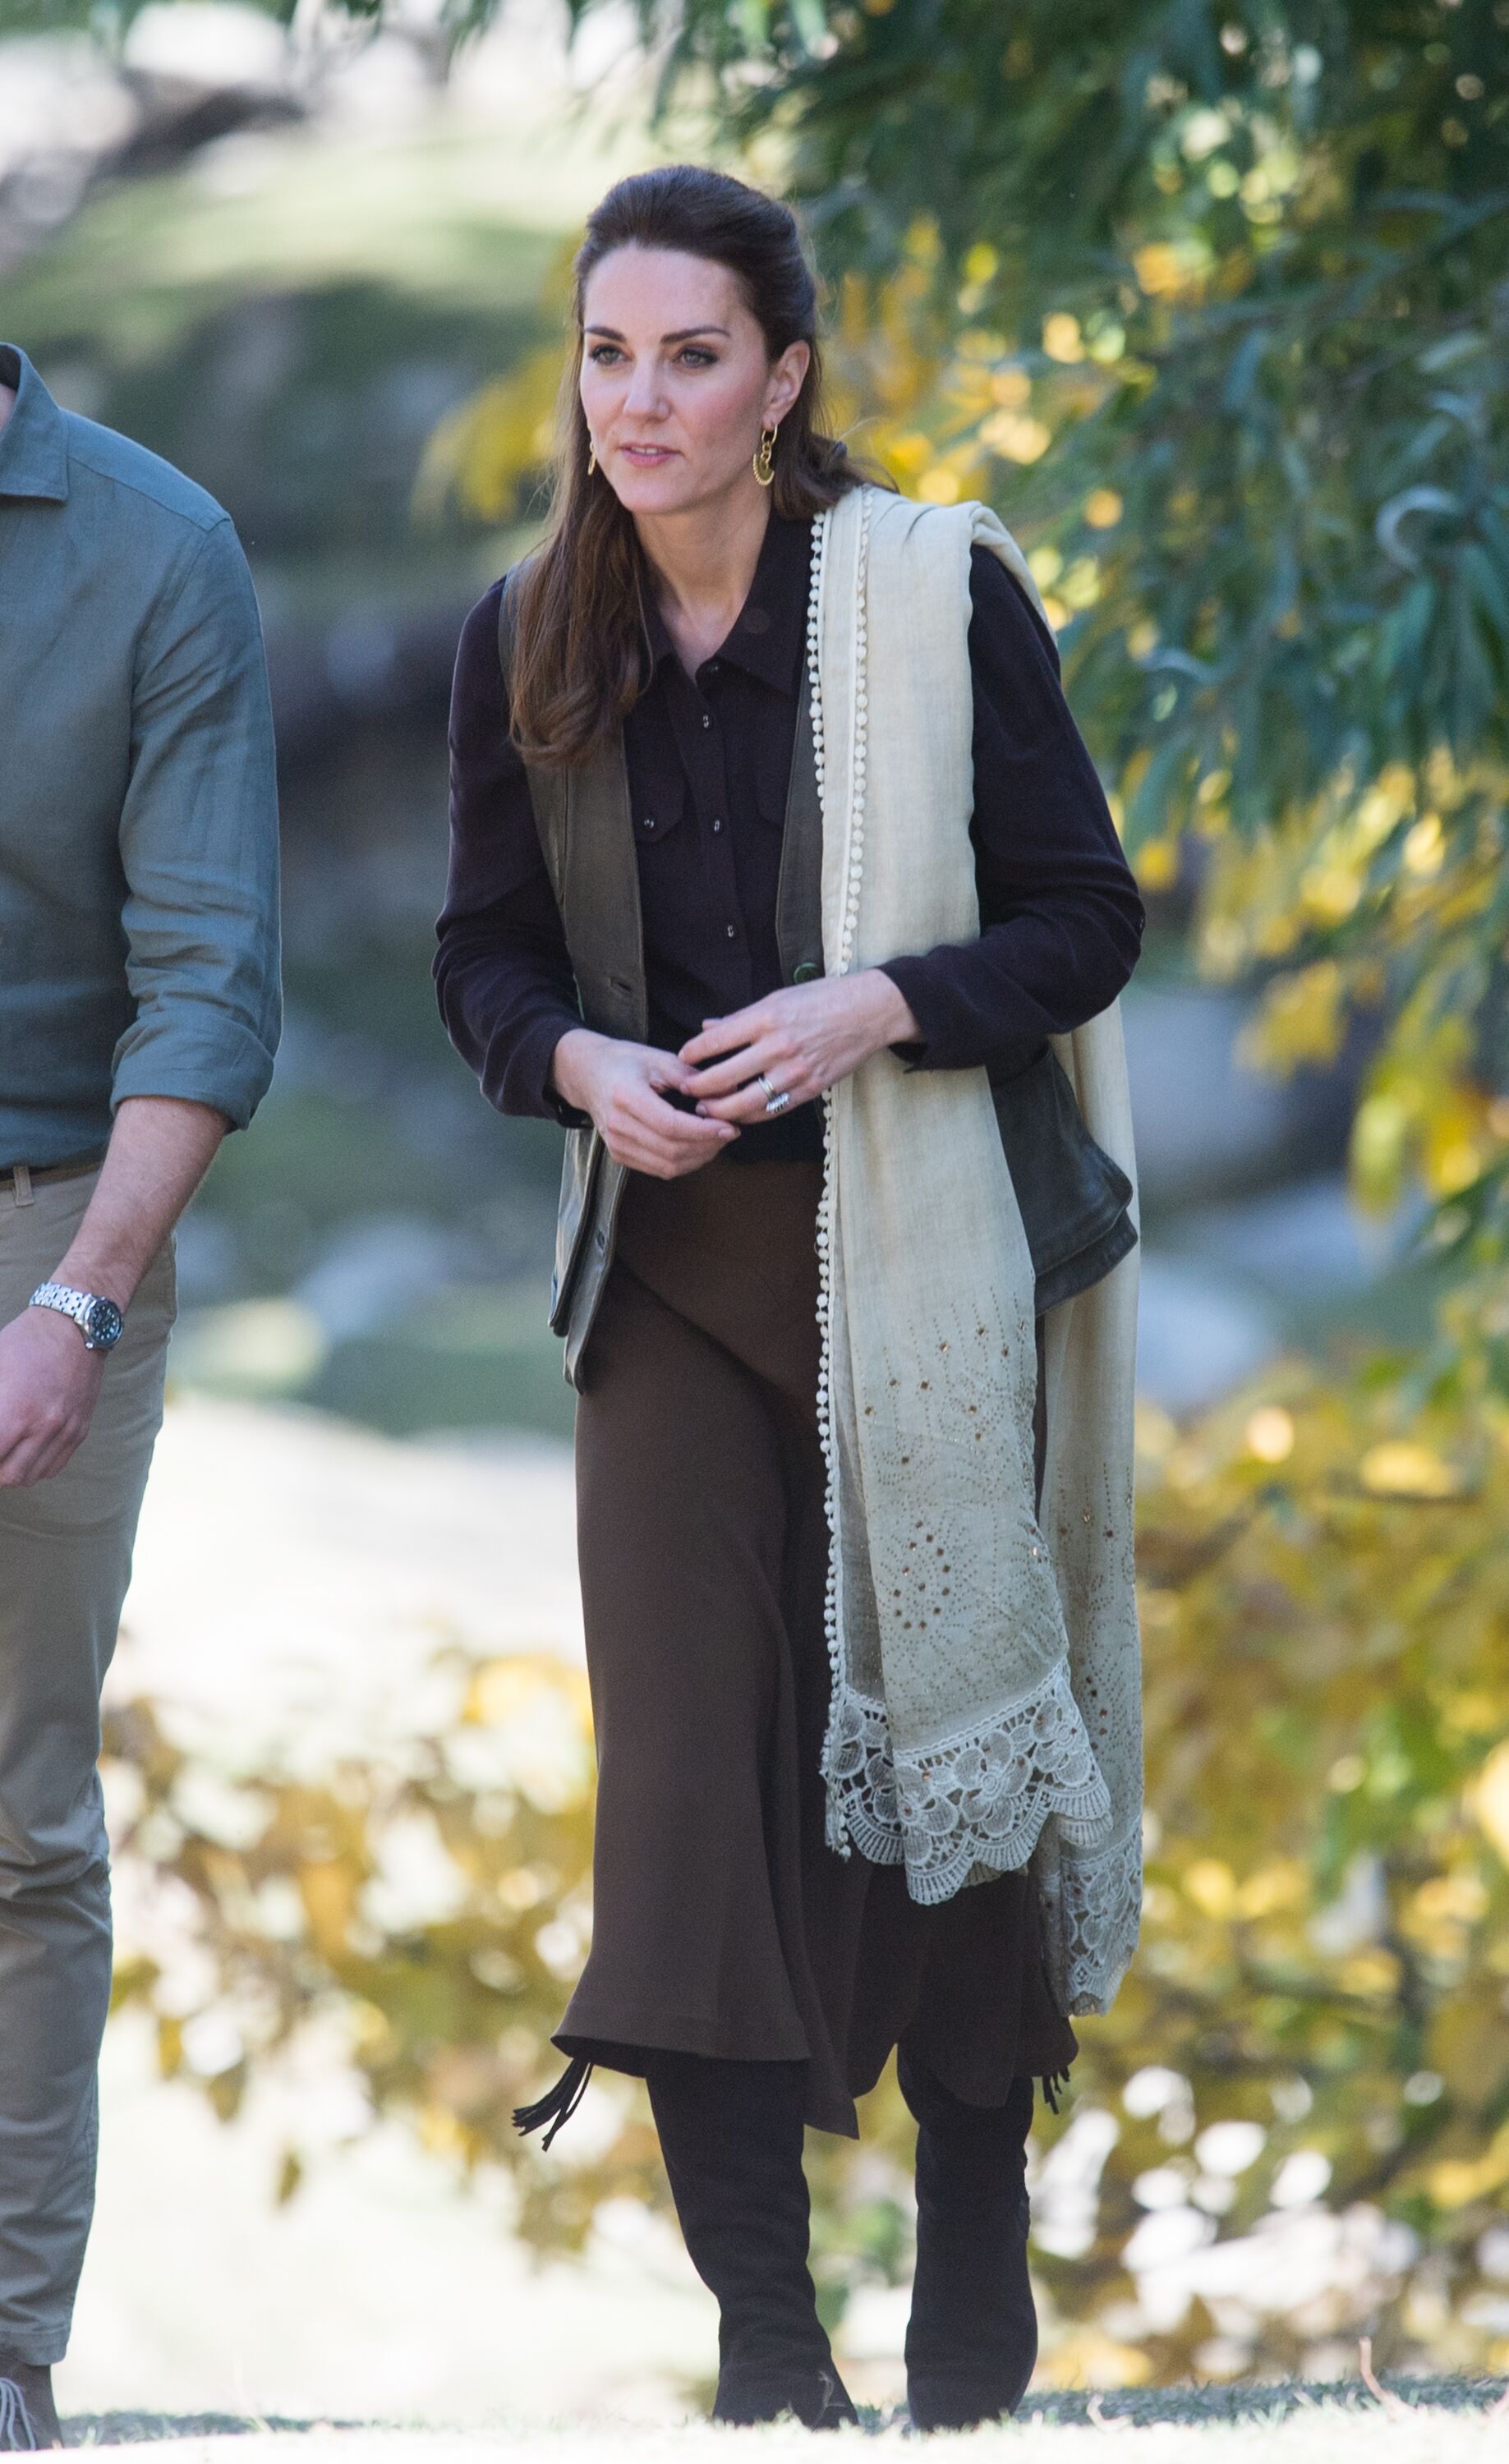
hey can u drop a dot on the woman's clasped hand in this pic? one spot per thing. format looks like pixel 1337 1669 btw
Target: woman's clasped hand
pixel 623 1088
pixel 802 1039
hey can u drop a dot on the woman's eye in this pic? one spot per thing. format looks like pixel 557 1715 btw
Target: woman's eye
pixel 695 356
pixel 601 353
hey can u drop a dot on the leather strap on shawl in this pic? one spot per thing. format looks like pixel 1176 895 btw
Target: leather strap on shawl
pixel 986 1666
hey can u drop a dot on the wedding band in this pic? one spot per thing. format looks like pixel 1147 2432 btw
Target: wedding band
pixel 775 1101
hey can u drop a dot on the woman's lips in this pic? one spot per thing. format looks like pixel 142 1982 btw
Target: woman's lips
pixel 649 452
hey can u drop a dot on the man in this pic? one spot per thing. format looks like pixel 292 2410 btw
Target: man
pixel 139 1015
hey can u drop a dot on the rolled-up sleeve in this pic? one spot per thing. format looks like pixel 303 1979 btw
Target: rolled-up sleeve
pixel 199 845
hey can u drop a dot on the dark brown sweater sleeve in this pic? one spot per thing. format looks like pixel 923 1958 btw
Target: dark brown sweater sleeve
pixel 502 973
pixel 1060 917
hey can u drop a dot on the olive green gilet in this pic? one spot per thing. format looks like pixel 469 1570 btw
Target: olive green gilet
pixel 1074 1200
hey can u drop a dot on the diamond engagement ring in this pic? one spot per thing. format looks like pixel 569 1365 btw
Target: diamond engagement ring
pixel 775 1102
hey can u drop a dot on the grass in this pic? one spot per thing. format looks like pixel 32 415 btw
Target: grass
pixel 1443 2421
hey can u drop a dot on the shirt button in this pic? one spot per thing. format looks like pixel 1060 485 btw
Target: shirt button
pixel 649 820
pixel 706 721
pixel 718 820
pixel 731 930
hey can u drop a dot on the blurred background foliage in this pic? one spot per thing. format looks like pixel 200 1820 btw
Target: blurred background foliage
pixel 1213 302
pixel 1293 2127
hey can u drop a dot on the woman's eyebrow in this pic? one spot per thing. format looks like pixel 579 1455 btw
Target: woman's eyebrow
pixel 611 333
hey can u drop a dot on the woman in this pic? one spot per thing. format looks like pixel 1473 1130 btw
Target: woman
pixel 651 934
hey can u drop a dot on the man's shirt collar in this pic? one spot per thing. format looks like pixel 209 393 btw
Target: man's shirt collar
pixel 33 441
pixel 767 636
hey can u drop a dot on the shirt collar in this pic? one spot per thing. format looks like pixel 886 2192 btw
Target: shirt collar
pixel 33 441
pixel 768 634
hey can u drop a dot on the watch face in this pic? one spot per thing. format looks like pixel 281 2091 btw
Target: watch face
pixel 102 1326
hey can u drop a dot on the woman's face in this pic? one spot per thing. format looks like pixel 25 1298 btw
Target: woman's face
pixel 675 381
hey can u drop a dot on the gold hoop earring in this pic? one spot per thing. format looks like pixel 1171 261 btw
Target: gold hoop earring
pixel 765 460
pixel 592 456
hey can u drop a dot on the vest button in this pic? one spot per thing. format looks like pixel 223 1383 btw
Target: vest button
pixel 803 972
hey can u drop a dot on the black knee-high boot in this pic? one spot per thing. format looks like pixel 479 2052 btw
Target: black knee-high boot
pixel 971 2340
pixel 731 2137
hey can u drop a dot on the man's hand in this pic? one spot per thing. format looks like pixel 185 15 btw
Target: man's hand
pixel 803 1039
pixel 620 1086
pixel 49 1387
pixel 160 1150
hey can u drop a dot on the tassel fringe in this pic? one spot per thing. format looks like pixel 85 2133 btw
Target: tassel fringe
pixel 557 2103
pixel 16 2434
pixel 1050 2081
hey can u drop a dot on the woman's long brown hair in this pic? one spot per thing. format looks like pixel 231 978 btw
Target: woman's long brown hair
pixel 581 660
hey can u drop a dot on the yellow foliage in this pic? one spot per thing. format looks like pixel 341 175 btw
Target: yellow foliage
pixel 908 452
pixel 1300 1019
pixel 1490 1799
pixel 1425 846
pixel 1280 1883
pixel 329 1896
pixel 1449 1898
pixel 1086 2357
pixel 1369 1973
pixel 1458 2181
pixel 1269 1434
pixel 1157 863
pixel 939 485
pixel 1400 1467
pixel 1378 1144
pixel 1329 892
pixel 1212 1885
pixel 1062 339
pixel 1079 586
pixel 1173 269
pixel 480 455
pixel 1015 436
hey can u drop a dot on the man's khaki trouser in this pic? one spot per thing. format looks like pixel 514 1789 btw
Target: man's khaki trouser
pixel 65 1559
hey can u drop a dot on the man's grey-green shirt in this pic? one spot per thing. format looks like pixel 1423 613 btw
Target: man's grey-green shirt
pixel 139 949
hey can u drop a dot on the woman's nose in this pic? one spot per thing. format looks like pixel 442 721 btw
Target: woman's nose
pixel 645 396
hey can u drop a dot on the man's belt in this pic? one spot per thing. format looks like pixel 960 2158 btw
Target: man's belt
pixel 22 1177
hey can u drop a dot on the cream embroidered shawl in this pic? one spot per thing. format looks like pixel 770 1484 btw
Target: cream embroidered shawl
pixel 986 1667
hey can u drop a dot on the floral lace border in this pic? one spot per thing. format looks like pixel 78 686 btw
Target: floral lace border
pixel 978 1798
pixel 1101 1907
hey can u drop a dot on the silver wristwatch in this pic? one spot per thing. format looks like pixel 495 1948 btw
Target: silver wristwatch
pixel 98 1321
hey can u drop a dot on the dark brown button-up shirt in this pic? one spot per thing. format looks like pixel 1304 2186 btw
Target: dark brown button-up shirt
pixel 708 758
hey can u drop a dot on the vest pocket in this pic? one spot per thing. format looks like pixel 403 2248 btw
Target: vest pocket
pixel 1073 1197
pixel 581 1167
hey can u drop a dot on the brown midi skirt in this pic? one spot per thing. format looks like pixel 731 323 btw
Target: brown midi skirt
pixel 723 1924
